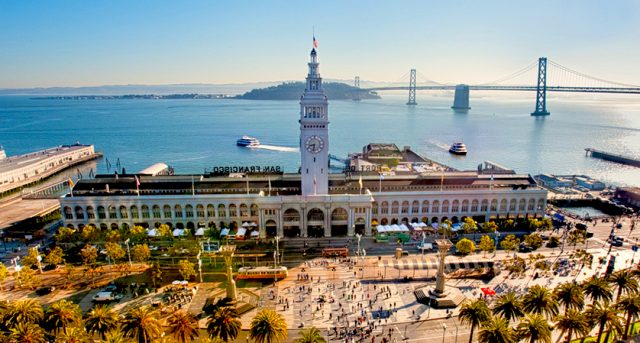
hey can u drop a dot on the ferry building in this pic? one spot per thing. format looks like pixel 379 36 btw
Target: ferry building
pixel 311 203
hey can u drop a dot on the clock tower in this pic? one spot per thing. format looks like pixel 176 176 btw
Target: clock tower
pixel 314 133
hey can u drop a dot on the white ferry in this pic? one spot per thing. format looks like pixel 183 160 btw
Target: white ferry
pixel 248 141
pixel 458 148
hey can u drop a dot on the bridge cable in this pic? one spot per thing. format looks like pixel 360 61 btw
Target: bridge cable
pixel 511 76
pixel 591 78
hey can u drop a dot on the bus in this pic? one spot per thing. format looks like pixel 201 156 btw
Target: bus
pixel 335 252
pixel 257 273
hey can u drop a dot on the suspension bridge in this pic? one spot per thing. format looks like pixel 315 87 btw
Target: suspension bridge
pixel 557 78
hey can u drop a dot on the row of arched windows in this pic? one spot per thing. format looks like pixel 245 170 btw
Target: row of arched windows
pixel 457 206
pixel 157 212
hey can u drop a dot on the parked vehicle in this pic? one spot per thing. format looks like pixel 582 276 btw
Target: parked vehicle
pixel 106 296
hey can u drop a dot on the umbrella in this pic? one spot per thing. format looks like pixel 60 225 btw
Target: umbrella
pixel 184 282
pixel 245 224
pixel 253 224
pixel 488 291
pixel 255 233
pixel 200 232
pixel 176 282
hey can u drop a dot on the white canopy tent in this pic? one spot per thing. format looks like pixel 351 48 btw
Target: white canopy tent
pixel 178 232
pixel 152 233
pixel 200 232
pixel 224 232
pixel 241 232
pixel 255 233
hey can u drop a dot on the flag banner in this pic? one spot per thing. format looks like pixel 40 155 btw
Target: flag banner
pixel 315 42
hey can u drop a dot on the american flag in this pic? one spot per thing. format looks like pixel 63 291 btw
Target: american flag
pixel 315 42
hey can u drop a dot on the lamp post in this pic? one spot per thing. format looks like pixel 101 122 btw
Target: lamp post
pixel 444 330
pixel 38 257
pixel 200 265
pixel 129 253
pixel 358 236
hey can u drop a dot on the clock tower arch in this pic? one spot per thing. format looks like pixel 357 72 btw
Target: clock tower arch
pixel 314 133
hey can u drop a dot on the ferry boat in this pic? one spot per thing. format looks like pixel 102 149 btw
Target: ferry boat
pixel 458 148
pixel 248 141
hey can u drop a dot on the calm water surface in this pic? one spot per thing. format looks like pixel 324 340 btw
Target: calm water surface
pixel 193 134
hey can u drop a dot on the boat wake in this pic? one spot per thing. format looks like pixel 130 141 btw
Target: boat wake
pixel 439 145
pixel 276 148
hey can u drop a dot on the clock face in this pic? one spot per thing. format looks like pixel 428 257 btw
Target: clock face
pixel 314 144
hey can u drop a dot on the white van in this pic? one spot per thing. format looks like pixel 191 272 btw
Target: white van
pixel 106 296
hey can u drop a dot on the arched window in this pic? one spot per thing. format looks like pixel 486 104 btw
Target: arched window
pixel 222 212
pixel 134 212
pixel 156 211
pixel 253 209
pixel 415 206
pixel 188 210
pixel 474 205
pixel 494 205
pixel 177 210
pixel 425 206
pixel 465 205
pixel 532 204
pixel 211 211
pixel 145 211
pixel 384 208
pixel 339 214
pixel 315 215
pixel 435 207
pixel 374 208
pixel 540 204
pixel 123 212
pixel 233 210
pixel 200 211
pixel 394 207
pixel 112 212
pixel 503 205
pixel 405 207
pixel 101 213
pixel 485 205
pixel 244 210
pixel 167 211
pixel 445 206
pixel 68 213
pixel 522 205
pixel 90 213
pixel 512 205
pixel 79 212
pixel 455 206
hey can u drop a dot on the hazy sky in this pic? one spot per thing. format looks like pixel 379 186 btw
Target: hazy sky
pixel 79 43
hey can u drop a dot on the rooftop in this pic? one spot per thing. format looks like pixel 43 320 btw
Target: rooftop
pixel 13 162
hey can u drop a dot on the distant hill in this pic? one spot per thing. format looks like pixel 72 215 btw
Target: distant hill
pixel 293 91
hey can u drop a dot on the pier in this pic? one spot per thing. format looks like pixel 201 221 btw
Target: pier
pixel 630 161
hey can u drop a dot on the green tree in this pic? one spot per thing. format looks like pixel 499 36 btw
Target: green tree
pixel 186 269
pixel 469 225
pixel 141 324
pixel 489 227
pixel 223 323
pixel 444 228
pixel 137 233
pixel 605 317
pixel 569 295
pixel 31 259
pixel 183 326
pixel 486 244
pixel 597 289
pixel 310 335
pixel 115 336
pixel 65 235
pixel 23 311
pixel 573 322
pixel 540 300
pixel 533 240
pixel 496 330
pixel 624 281
pixel 61 315
pixel 4 273
pixel 630 305
pixel 89 255
pixel 100 320
pixel 140 253
pixel 535 327
pixel 553 242
pixel 508 305
pixel 114 251
pixel 113 236
pixel 474 313
pixel 268 326
pixel 26 332
pixel 90 234
pixel 576 236
pixel 27 278
pixel 164 231
pixel 73 334
pixel 510 243
pixel 55 257
pixel 156 275
pixel 465 246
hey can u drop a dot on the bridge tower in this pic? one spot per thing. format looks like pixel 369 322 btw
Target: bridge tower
pixel 541 91
pixel 412 88
pixel 356 94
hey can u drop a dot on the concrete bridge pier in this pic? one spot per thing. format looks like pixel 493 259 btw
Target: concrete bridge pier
pixel 461 98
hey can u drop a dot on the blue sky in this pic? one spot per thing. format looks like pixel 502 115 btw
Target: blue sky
pixel 79 43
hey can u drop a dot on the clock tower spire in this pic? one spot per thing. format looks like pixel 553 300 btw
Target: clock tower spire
pixel 314 132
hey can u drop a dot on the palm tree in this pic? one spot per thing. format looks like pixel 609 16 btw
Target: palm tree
pixel 509 306
pixel 474 313
pixel 26 332
pixel 224 323
pixel 100 320
pixel 573 322
pixel 624 281
pixel 268 327
pixel 630 304
pixel 496 330
pixel 183 326
pixel 61 315
pixel 598 288
pixel 114 336
pixel 570 296
pixel 536 328
pixel 141 324
pixel 540 300
pixel 23 311
pixel 311 335
pixel 604 316
pixel 73 335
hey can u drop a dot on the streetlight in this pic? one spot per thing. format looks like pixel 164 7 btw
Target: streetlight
pixel 275 257
pixel 38 257
pixel 200 265
pixel 358 236
pixel 129 253
pixel 444 330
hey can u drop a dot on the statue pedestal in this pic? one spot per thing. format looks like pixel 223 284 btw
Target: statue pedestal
pixel 440 296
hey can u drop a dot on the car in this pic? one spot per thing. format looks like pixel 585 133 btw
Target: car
pixel 45 290
pixel 525 248
pixel 616 243
pixel 106 297
pixel 581 226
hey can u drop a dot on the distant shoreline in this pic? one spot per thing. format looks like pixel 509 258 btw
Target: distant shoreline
pixel 134 96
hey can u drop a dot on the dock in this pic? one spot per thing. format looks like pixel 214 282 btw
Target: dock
pixel 630 161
